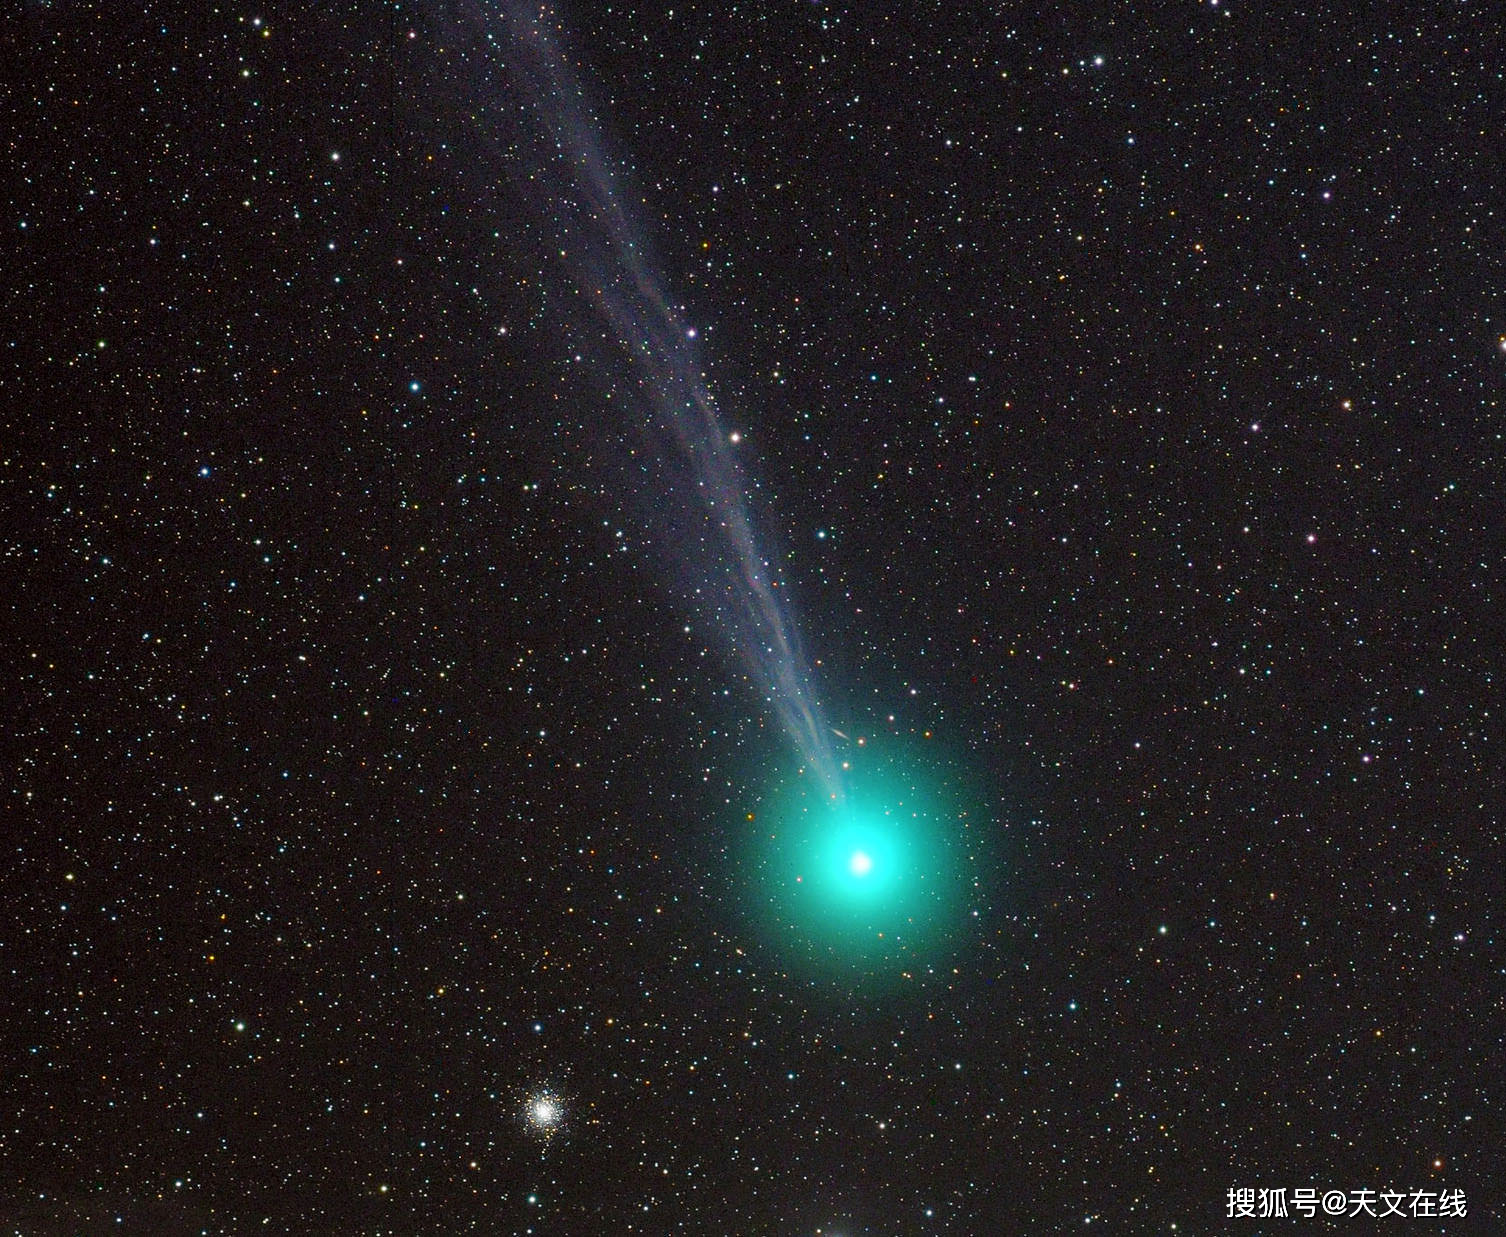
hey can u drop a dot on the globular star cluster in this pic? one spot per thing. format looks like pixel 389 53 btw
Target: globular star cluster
pixel 759 618
pixel 545 1113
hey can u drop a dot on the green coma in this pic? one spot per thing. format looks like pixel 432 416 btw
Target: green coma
pixel 868 880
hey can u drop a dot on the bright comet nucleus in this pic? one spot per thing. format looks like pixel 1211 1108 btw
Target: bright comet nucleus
pixel 868 879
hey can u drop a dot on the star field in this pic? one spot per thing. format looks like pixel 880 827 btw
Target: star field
pixel 395 832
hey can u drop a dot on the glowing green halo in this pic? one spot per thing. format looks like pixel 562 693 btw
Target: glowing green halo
pixel 868 881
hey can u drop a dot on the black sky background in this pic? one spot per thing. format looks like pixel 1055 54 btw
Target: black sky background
pixel 1131 429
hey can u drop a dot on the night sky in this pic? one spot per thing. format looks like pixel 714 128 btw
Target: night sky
pixel 1115 395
